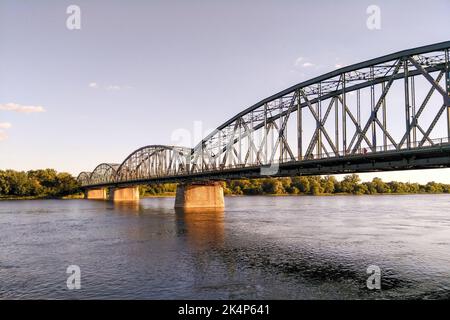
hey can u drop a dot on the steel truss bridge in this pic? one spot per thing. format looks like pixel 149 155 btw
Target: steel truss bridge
pixel 388 113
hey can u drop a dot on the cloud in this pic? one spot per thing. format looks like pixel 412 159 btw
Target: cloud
pixel 21 108
pixel 307 64
pixel 113 87
pixel 301 63
pixel 3 135
pixel 298 61
pixel 5 125
pixel 110 87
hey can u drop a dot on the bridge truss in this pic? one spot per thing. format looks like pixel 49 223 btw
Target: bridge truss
pixel 379 113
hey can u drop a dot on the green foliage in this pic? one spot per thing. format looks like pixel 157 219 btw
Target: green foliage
pixel 155 189
pixel 328 184
pixel 301 183
pixel 37 183
pixel 350 184
pixel 48 183
pixel 316 185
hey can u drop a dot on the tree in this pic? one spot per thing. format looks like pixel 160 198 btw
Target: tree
pixel 272 186
pixel 433 187
pixel 349 183
pixel 380 186
pixel 371 189
pixel 397 187
pixel 315 186
pixel 328 184
pixel 66 184
pixel 4 183
pixel 301 183
pixel 37 183
pixel 361 189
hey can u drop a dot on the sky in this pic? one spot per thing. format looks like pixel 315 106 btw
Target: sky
pixel 137 72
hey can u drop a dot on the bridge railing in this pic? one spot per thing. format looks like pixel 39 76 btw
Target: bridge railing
pixel 341 154
pixel 390 147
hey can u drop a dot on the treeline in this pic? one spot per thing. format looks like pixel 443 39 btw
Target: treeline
pixel 48 183
pixel 45 183
pixel 316 185
pixel 311 185
pixel 158 189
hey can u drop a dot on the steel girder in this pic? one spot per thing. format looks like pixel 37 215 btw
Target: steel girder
pixel 104 173
pixel 84 178
pixel 154 161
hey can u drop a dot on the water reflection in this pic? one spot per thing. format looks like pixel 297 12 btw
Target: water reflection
pixel 204 228
pixel 133 207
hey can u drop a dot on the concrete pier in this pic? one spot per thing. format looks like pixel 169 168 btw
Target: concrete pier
pixel 125 194
pixel 96 194
pixel 199 195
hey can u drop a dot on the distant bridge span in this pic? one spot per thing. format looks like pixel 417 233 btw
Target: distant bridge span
pixel 388 113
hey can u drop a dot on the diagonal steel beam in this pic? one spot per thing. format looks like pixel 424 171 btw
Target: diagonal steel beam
pixel 433 123
pixel 432 81
pixel 283 127
pixel 357 126
pixel 377 106
pixel 320 125
pixel 414 121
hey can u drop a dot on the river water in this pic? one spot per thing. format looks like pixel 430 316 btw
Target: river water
pixel 293 247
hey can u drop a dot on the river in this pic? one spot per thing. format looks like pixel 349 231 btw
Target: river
pixel 293 247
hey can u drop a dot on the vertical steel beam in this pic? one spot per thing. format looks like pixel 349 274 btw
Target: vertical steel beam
pixel 318 122
pixel 413 110
pixel 203 148
pixel 272 125
pixel 372 108
pixel 336 125
pixel 447 85
pixel 299 129
pixel 285 134
pixel 280 124
pixel 219 152
pixel 344 117
pixel 265 133
pixel 383 106
pixel 250 138
pixel 407 120
pixel 358 113
pixel 240 140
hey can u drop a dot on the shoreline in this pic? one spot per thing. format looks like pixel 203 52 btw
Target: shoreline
pixel 76 197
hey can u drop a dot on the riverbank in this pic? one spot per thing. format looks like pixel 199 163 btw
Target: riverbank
pixel 172 195
pixel 49 184
pixel 162 195
pixel 69 197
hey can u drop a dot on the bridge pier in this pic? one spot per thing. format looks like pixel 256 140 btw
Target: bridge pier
pixel 199 195
pixel 125 194
pixel 96 194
